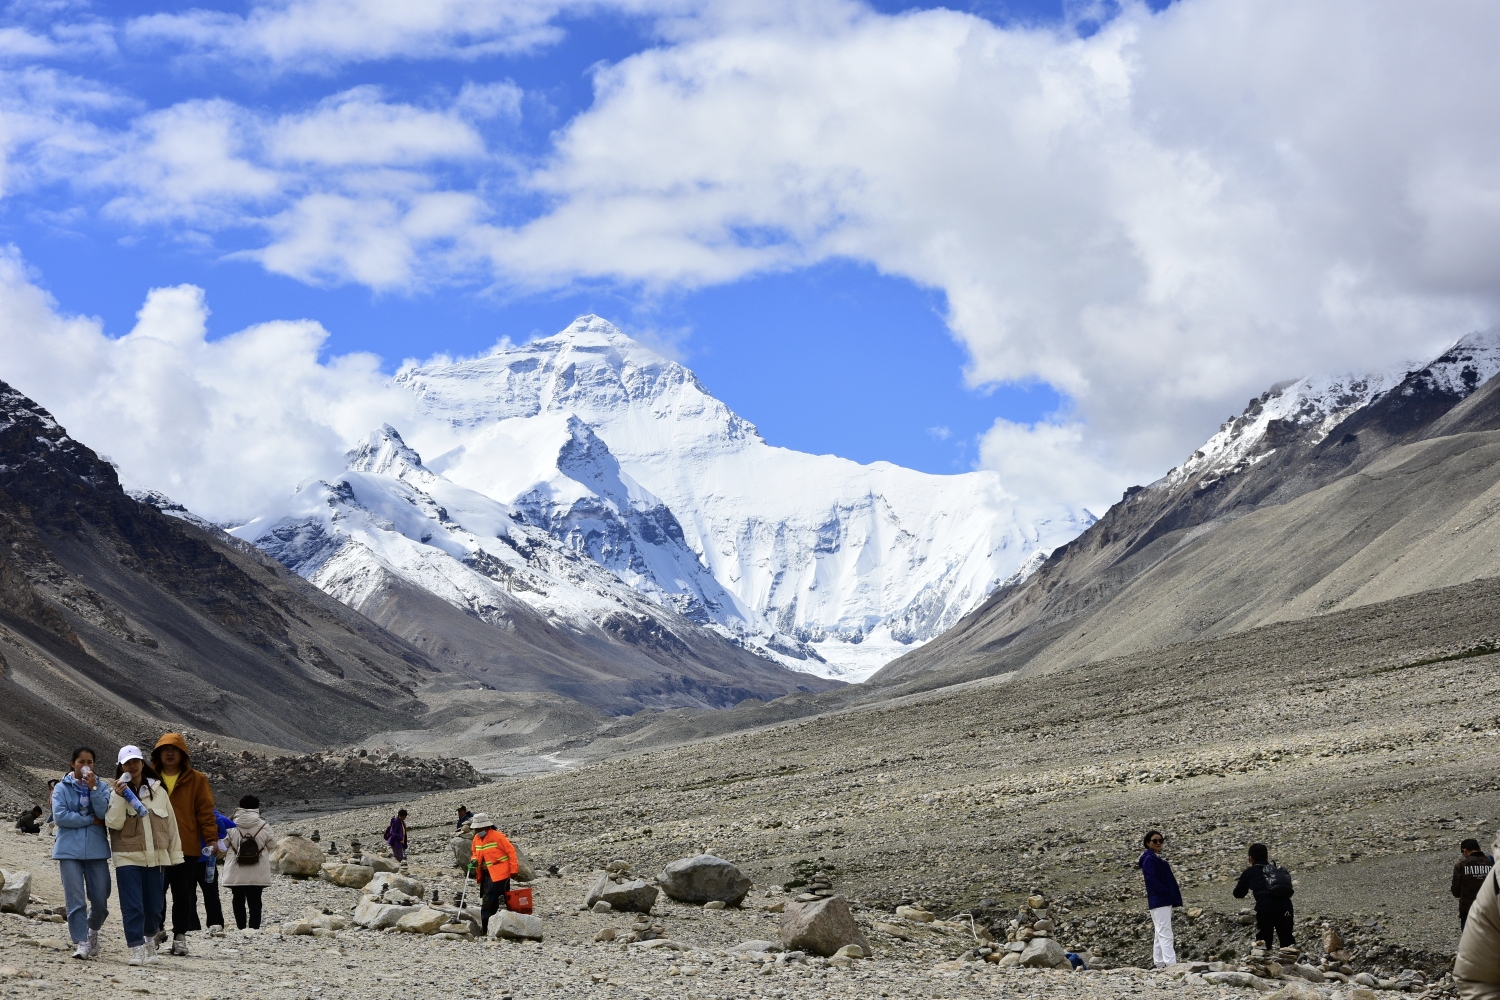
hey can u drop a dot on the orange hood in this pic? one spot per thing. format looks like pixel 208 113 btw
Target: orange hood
pixel 171 740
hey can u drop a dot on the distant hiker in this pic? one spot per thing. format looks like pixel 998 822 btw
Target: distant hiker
pixel 1468 876
pixel 395 835
pixel 1477 966
pixel 248 870
pixel 495 861
pixel 464 816
pixel 1161 895
pixel 80 801
pixel 1272 886
pixel 144 838
pixel 27 822
pixel 193 805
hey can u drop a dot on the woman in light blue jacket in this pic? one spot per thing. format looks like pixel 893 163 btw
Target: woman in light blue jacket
pixel 79 804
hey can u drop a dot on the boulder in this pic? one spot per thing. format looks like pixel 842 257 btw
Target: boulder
pixel 463 851
pixel 425 920
pixel 821 927
pixel 296 856
pixel 1306 972
pixel 293 928
pixel 1009 960
pixel 851 951
pixel 1043 953
pixel 508 926
pixel 15 892
pixel 382 864
pixel 391 882
pixel 634 896
pixel 524 871
pixel 348 876
pixel 915 915
pixel 755 947
pixel 702 879
pixel 1242 979
pixel 375 916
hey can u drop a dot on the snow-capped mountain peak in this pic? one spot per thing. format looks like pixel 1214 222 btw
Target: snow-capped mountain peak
pixel 1311 407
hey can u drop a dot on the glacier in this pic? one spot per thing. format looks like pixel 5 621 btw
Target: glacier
pixel 622 456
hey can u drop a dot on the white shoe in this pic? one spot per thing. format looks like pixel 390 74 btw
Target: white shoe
pixel 82 951
pixel 179 945
pixel 138 955
pixel 215 931
pixel 93 943
pixel 151 956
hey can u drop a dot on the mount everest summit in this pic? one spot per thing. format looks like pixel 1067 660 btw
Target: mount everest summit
pixel 589 480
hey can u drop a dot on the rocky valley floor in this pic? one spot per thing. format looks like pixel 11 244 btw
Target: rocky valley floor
pixel 1362 749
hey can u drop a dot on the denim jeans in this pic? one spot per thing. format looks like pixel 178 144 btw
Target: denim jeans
pixel 141 895
pixel 86 892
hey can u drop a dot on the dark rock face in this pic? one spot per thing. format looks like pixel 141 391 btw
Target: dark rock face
pixel 134 622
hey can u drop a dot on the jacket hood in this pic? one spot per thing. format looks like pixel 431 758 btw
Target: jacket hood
pixel 171 740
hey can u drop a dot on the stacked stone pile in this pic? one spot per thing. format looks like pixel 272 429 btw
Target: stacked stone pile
pixel 818 921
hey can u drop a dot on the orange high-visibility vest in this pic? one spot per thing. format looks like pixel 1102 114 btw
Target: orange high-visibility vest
pixel 494 854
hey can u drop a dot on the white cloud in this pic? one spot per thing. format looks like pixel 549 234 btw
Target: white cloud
pixel 225 426
pixel 1159 220
pixel 320 35
pixel 1051 461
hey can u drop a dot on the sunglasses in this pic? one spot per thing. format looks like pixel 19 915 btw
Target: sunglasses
pixel 1156 840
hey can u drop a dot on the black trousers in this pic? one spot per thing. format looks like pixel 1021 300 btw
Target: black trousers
pixel 493 894
pixel 1270 925
pixel 242 897
pixel 183 882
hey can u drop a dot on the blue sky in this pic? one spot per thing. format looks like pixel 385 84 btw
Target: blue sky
pixel 835 358
pixel 1059 241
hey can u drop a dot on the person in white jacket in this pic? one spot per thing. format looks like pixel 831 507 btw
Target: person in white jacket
pixel 247 877
pixel 144 840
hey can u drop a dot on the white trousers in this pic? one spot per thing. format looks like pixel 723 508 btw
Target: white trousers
pixel 1162 950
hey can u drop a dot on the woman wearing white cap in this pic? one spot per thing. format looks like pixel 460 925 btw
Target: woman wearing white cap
pixel 143 835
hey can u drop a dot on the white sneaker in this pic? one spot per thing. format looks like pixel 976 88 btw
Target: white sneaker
pixel 82 951
pixel 215 931
pixel 93 943
pixel 151 956
pixel 179 945
pixel 138 955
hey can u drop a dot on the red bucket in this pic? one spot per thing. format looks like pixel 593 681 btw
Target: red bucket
pixel 518 901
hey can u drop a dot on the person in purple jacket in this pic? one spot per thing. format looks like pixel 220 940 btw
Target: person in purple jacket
pixel 1161 895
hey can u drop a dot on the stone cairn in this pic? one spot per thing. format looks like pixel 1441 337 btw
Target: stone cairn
pixel 1034 920
pixel 1336 957
pixel 820 886
pixel 1269 963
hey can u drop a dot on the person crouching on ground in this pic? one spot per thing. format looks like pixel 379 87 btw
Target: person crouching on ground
pixel 495 861
pixel 1272 886
pixel 145 841
pixel 248 870
pixel 80 801
pixel 30 820
pixel 395 835
pixel 1161 895
pixel 1468 876
pixel 193 803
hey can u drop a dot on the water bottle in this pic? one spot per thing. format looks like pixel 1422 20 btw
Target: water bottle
pixel 135 803
pixel 212 866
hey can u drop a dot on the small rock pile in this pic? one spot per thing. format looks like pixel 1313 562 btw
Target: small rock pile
pixel 1336 958
pixel 820 886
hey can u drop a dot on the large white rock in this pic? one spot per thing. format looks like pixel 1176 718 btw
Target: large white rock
pixel 821 927
pixel 425 920
pixel 1043 953
pixel 348 876
pixel 634 896
pixel 15 895
pixel 389 881
pixel 463 851
pixel 509 926
pixel 377 916
pixel 297 856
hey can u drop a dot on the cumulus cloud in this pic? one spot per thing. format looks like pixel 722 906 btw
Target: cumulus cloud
pixel 1159 220
pixel 226 425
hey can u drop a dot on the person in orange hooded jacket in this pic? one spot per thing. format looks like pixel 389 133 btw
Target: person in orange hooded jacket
pixel 495 859
pixel 193 802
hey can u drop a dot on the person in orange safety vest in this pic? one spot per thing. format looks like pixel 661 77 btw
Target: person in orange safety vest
pixel 495 860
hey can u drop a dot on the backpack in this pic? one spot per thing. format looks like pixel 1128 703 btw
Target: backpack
pixel 249 851
pixel 1278 880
